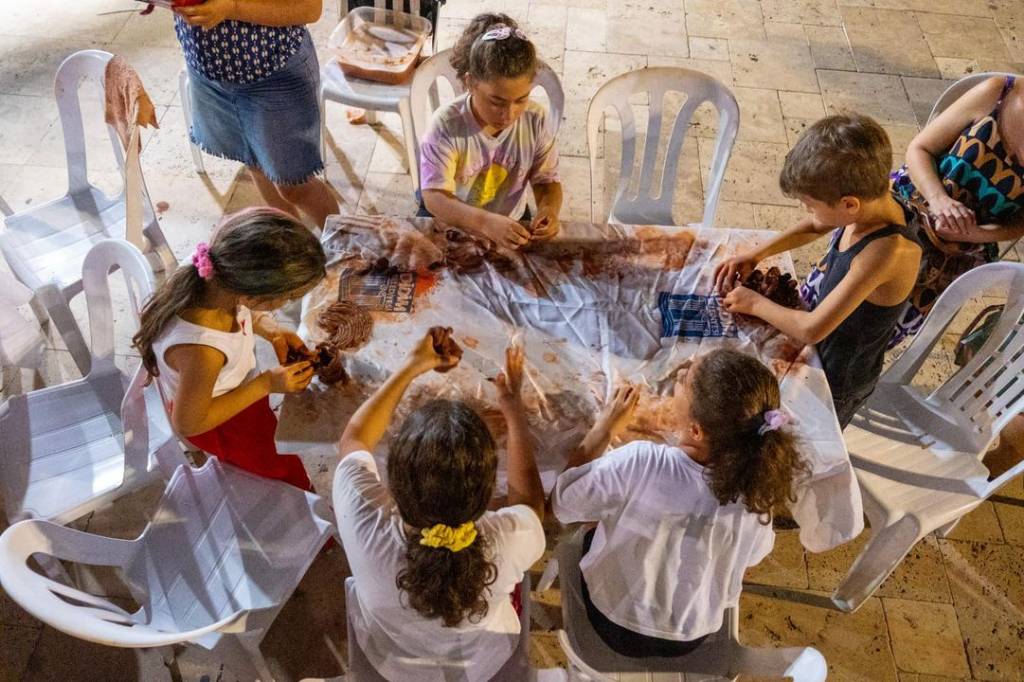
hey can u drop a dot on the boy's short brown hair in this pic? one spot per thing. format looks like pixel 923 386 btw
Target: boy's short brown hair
pixel 847 155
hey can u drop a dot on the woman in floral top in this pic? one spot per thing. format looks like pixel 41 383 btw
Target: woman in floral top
pixel 254 78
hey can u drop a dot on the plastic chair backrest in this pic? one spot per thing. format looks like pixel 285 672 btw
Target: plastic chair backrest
pixel 71 610
pixel 216 537
pixel 424 98
pixel 982 396
pixel 957 89
pixel 103 257
pixel 652 204
pixel 73 70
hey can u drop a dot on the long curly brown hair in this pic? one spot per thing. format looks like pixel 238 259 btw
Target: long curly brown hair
pixel 492 59
pixel 731 392
pixel 441 469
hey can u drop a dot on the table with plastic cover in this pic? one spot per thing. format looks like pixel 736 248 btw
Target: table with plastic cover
pixel 599 305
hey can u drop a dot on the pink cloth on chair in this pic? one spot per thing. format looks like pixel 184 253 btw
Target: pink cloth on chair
pixel 126 100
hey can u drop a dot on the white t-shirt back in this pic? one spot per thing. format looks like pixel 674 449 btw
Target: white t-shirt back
pixel 393 635
pixel 666 558
pixel 492 173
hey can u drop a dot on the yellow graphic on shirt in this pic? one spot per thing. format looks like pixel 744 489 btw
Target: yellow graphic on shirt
pixel 487 185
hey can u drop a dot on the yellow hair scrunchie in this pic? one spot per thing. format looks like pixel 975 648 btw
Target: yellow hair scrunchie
pixel 452 539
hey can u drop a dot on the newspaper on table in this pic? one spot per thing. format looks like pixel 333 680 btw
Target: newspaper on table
pixel 600 305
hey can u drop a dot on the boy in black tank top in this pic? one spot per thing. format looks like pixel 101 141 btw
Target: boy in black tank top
pixel 839 170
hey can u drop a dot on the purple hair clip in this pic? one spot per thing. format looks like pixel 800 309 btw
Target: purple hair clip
pixel 201 261
pixel 773 421
pixel 502 32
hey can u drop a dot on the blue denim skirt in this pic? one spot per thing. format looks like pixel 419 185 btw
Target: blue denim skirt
pixel 272 125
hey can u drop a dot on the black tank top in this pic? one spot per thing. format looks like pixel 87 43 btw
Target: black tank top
pixel 854 352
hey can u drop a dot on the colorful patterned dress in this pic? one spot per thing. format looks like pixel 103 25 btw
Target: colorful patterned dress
pixel 981 173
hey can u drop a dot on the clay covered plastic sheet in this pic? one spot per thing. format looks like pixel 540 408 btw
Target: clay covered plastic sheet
pixel 599 305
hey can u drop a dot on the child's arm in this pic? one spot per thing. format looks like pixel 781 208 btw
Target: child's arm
pixel 524 484
pixel 282 339
pixel 195 409
pixel 734 270
pixel 879 264
pixel 500 229
pixel 546 223
pixel 266 12
pixel 613 419
pixel 371 420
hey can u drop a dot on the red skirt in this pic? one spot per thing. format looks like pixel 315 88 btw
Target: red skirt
pixel 247 442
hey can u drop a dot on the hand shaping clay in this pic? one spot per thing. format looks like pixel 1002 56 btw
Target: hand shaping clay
pixel 445 346
pixel 775 285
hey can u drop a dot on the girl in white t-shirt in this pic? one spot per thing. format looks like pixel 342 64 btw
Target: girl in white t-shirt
pixel 678 526
pixel 196 336
pixel 483 151
pixel 435 572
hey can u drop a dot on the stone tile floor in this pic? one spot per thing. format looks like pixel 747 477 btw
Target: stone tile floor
pixel 954 610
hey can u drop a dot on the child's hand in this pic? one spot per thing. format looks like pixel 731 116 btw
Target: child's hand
pixel 207 14
pixel 545 224
pixel 742 300
pixel 436 350
pixel 504 232
pixel 284 341
pixel 618 413
pixel 733 271
pixel 510 382
pixel 293 378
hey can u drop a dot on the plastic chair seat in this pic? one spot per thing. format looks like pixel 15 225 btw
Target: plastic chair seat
pixel 223 552
pixel 75 451
pixel 917 454
pixel 48 243
pixel 68 449
pixel 358 92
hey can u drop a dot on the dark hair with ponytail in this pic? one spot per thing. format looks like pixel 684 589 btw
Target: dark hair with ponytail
pixel 441 470
pixel 258 251
pixel 731 392
pixel 488 60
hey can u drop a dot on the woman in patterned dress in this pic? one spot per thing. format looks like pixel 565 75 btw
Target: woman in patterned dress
pixel 965 168
pixel 254 78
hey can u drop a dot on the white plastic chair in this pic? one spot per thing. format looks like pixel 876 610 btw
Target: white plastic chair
pixel 45 244
pixel 917 455
pixel 424 100
pixel 372 96
pixel 649 204
pixel 957 90
pixel 69 449
pixel 720 654
pixel 517 669
pixel 224 551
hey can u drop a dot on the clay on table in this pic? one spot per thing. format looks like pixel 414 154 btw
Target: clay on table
pixel 775 285
pixel 347 325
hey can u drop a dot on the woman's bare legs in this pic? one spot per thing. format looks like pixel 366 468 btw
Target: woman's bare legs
pixel 313 197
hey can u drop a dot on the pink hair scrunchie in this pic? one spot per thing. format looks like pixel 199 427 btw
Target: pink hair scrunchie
pixel 773 421
pixel 201 261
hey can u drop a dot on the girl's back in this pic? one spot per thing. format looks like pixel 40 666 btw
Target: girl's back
pixel 666 558
pixel 390 633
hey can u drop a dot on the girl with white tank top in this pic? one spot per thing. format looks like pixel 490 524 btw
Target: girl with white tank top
pixel 197 337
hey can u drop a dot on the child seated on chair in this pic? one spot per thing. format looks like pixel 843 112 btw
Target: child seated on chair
pixel 678 526
pixel 485 149
pixel 435 571
pixel 196 337
pixel 839 170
